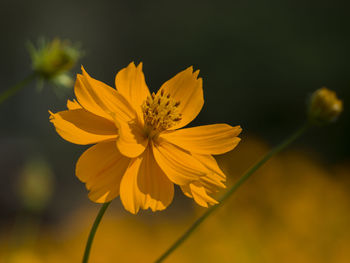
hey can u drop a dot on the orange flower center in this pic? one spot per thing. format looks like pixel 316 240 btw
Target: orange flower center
pixel 160 112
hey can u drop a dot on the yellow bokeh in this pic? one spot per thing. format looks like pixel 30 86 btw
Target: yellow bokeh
pixel 294 209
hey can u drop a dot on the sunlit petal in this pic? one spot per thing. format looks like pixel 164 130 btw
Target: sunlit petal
pixel 101 167
pixel 207 139
pixel 210 163
pixel 131 141
pixel 82 127
pixel 101 99
pixel 73 105
pixel 187 89
pixel 215 178
pixel 144 185
pixel 198 193
pixel 179 165
pixel 130 82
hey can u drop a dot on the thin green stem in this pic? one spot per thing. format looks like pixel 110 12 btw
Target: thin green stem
pixel 15 88
pixel 93 231
pixel 233 189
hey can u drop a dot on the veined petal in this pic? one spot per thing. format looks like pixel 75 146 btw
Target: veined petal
pixel 82 127
pixel 210 163
pixel 198 193
pixel 179 165
pixel 187 89
pixel 215 178
pixel 131 141
pixel 144 185
pixel 101 99
pixel 212 183
pixel 207 139
pixel 205 185
pixel 130 82
pixel 73 105
pixel 101 167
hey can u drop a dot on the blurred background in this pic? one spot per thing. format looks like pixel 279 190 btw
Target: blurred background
pixel 259 61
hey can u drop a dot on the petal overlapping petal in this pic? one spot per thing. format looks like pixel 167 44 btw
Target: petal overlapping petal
pixel 207 139
pixel 179 165
pixel 215 178
pixel 131 141
pixel 187 89
pixel 198 193
pixel 73 105
pixel 205 185
pixel 130 82
pixel 102 167
pixel 101 99
pixel 82 127
pixel 210 163
pixel 212 183
pixel 145 185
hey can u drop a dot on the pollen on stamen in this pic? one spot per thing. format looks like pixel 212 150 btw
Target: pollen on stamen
pixel 160 112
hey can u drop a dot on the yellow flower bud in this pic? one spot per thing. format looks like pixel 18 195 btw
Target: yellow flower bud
pixel 52 60
pixel 324 106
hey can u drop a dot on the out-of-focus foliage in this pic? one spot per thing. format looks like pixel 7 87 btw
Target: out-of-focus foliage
pixel 52 61
pixel 292 210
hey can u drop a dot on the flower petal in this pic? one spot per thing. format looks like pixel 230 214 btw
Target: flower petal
pixel 198 193
pixel 179 165
pixel 101 167
pixel 101 99
pixel 215 177
pixel 205 185
pixel 131 141
pixel 187 89
pixel 207 139
pixel 212 183
pixel 210 163
pixel 130 82
pixel 82 127
pixel 144 185
pixel 73 105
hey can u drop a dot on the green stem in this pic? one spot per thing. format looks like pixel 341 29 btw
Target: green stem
pixel 93 231
pixel 233 189
pixel 15 88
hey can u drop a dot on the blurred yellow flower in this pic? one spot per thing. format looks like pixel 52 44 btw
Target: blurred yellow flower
pixel 140 150
pixel 325 107
pixel 302 217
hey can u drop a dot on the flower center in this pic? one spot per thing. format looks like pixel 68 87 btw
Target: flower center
pixel 160 112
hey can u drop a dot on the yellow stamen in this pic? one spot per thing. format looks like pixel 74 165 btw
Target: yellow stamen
pixel 160 113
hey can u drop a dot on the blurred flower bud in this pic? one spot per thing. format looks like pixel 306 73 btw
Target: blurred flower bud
pixel 324 106
pixel 35 184
pixel 52 60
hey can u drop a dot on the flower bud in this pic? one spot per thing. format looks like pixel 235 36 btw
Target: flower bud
pixel 52 60
pixel 324 106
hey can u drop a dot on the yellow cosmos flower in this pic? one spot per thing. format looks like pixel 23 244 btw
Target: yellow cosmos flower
pixel 140 152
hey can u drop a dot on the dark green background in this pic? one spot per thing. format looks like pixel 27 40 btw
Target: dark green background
pixel 260 61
